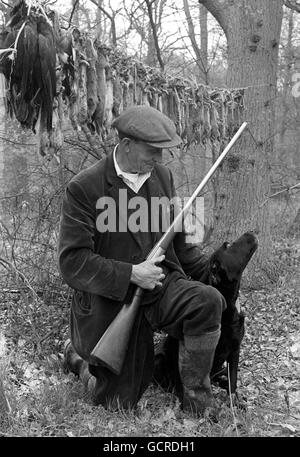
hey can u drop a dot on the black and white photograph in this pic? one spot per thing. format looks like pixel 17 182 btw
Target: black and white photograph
pixel 149 223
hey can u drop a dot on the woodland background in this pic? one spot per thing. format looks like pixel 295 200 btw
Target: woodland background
pixel 218 47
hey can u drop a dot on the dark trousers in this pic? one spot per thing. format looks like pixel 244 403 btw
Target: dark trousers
pixel 181 307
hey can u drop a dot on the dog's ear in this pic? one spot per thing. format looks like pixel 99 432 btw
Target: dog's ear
pixel 215 264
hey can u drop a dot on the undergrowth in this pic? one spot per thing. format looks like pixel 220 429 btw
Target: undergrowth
pixel 45 401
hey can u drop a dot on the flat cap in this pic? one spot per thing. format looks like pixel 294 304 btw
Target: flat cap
pixel 149 125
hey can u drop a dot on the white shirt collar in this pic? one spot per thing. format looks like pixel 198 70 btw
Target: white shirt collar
pixel 133 180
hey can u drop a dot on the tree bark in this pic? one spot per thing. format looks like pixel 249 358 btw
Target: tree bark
pixel 151 59
pixel 192 36
pixel 200 51
pixel 153 26
pixel 288 57
pixel 111 17
pixel 252 29
pixel 204 41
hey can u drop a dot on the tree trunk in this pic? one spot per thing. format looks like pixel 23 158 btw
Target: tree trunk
pixel 2 123
pixel 153 44
pixel 151 59
pixel 200 53
pixel 252 28
pixel 288 64
pixel 204 42
pixel 294 229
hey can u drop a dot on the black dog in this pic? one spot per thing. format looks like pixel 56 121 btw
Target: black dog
pixel 226 266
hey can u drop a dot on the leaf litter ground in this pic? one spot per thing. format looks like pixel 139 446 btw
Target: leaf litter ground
pixel 44 401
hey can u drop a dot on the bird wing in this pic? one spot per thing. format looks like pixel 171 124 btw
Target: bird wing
pixel 47 59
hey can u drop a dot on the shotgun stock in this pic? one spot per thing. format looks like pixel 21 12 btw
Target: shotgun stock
pixel 111 349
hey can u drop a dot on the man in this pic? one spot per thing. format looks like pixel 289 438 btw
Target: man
pixel 104 266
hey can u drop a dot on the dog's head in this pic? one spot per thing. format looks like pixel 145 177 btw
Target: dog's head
pixel 228 262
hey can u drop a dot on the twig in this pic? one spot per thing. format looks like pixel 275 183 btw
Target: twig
pixel 72 12
pixel 154 33
pixel 231 403
pixel 22 276
pixel 46 336
pixel 287 189
pixel 15 142
pixel 6 4
pixel 293 5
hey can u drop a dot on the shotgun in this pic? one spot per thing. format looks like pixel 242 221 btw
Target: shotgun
pixel 110 351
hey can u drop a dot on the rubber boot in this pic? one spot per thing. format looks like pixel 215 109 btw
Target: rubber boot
pixel 196 354
pixel 74 363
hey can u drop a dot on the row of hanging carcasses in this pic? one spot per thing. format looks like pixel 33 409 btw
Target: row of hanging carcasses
pixel 94 83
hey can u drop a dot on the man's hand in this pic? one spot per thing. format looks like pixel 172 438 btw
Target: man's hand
pixel 147 274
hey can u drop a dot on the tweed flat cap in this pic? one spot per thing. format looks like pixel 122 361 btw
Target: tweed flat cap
pixel 148 125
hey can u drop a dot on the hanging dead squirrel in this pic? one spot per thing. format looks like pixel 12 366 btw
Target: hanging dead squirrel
pixel 73 97
pixel 51 141
pixel 82 90
pixel 92 96
pixel 98 115
pixel 109 100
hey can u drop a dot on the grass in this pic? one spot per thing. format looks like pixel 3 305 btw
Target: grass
pixel 44 401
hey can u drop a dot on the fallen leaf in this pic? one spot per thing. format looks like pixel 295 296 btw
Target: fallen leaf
pixel 295 350
pixel 294 398
pixel 189 423
pixel 169 414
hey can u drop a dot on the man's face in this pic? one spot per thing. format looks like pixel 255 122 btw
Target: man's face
pixel 142 157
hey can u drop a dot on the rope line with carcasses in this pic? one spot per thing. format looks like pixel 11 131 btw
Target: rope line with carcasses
pixel 53 74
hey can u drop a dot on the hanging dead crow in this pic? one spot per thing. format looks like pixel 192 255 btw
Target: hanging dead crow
pixel 31 70
pixel 46 63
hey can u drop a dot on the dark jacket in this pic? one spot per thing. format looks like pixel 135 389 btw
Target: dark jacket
pixel 98 265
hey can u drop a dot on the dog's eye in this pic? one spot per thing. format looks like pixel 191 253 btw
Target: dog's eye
pixel 226 245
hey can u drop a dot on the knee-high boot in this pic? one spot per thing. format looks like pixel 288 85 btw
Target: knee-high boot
pixel 196 354
pixel 74 363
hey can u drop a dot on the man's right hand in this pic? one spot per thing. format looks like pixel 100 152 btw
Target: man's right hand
pixel 147 274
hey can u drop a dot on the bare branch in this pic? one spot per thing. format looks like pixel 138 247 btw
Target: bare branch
pixel 16 143
pixel 293 5
pixel 154 32
pixel 161 8
pixel 6 4
pixel 198 52
pixel 111 17
pixel 73 11
pixel 218 9
pixel 204 37
pixel 104 11
pixel 191 29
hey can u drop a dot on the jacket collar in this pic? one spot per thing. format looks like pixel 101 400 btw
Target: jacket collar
pixel 115 183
